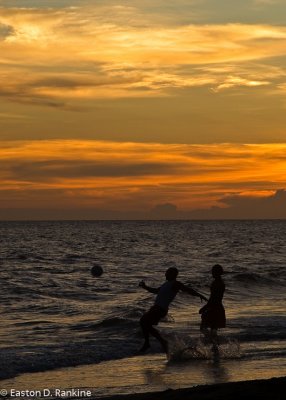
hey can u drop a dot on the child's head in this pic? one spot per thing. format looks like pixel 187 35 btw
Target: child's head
pixel 171 273
pixel 217 271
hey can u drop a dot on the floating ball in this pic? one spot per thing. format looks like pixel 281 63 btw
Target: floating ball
pixel 96 271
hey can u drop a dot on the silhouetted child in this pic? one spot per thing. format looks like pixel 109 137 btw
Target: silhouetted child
pixel 165 295
pixel 213 314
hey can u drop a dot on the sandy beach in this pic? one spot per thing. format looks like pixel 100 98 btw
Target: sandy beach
pixel 273 389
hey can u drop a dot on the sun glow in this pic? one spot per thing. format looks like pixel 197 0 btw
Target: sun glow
pixel 105 172
pixel 94 94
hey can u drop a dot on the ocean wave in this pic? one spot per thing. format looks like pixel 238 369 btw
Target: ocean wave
pixel 31 323
pixel 15 361
pixel 125 343
pixel 264 278
pixel 112 322
pixel 45 271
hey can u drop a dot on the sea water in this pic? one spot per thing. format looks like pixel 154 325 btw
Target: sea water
pixel 55 314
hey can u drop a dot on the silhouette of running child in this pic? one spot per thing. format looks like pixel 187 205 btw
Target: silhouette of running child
pixel 213 313
pixel 165 295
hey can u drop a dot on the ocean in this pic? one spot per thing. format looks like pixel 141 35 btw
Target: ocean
pixel 61 326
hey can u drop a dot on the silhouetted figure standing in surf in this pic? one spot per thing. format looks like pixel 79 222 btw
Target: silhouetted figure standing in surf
pixel 165 295
pixel 213 314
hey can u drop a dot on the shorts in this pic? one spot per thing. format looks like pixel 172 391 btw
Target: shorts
pixel 214 317
pixel 153 316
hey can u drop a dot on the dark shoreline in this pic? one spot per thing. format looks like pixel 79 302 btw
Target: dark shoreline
pixel 266 389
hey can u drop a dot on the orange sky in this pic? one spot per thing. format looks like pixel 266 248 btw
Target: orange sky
pixel 135 177
pixel 118 109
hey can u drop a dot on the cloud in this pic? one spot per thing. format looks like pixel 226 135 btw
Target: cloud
pixel 5 31
pixel 267 2
pixel 271 206
pixel 135 177
pixel 61 57
pixel 43 4
pixel 267 206
pixel 52 170
pixel 233 81
pixel 247 207
pixel 14 116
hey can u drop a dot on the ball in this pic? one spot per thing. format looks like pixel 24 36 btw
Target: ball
pixel 96 271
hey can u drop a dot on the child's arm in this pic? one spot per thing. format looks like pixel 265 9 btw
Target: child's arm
pixel 191 291
pixel 148 288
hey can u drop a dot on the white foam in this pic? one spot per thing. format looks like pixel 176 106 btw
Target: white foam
pixel 186 348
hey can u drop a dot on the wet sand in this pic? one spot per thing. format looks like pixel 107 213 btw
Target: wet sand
pixel 270 389
pixel 152 377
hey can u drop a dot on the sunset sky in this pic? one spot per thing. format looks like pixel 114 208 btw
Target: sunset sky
pixel 142 109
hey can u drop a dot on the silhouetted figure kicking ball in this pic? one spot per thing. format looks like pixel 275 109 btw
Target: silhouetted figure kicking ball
pixel 165 295
pixel 213 314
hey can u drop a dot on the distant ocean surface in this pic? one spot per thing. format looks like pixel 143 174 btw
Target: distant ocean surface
pixel 55 314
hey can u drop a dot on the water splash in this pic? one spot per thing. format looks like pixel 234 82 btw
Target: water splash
pixel 183 349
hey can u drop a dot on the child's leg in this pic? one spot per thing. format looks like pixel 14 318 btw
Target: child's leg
pixel 150 318
pixel 214 340
pixel 206 332
pixel 145 326
pixel 157 335
pixel 214 336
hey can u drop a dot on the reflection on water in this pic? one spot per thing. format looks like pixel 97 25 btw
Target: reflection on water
pixel 149 373
pixel 216 372
pixel 183 374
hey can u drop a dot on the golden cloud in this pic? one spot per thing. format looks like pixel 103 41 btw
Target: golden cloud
pixel 136 174
pixel 53 55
